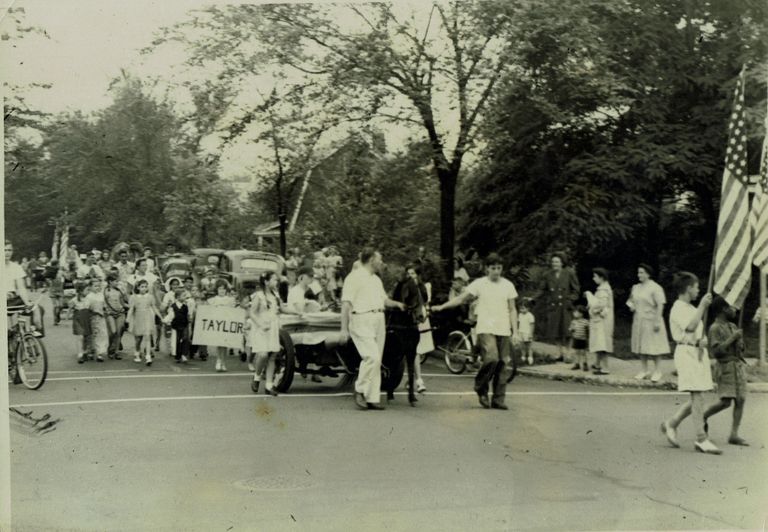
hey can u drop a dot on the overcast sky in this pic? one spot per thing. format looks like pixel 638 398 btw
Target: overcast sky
pixel 87 44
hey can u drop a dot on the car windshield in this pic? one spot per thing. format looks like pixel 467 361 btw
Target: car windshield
pixel 252 264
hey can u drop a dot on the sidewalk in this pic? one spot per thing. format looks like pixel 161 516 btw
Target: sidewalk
pixel 622 372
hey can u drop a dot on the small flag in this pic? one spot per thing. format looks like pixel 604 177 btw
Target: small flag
pixel 733 252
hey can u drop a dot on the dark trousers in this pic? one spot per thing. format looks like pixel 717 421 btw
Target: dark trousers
pixel 494 372
pixel 182 342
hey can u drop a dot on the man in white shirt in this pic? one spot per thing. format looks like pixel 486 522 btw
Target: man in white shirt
pixel 13 278
pixel 362 319
pixel 297 301
pixel 496 322
pixel 90 270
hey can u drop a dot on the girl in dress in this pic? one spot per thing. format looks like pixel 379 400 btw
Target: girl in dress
pixel 141 318
pixel 649 334
pixel 265 330
pixel 221 299
pixel 691 360
pixel 600 305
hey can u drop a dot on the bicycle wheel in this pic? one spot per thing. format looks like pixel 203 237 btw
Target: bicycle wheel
pixel 31 362
pixel 457 351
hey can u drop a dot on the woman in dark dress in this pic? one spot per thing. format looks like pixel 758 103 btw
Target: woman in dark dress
pixel 558 292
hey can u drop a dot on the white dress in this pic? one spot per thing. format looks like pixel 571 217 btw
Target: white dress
pixel 693 375
pixel 265 327
pixel 601 319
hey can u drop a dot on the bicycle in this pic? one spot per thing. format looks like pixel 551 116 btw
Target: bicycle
pixel 460 351
pixel 27 357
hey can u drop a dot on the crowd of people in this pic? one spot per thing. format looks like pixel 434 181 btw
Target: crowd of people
pixel 119 290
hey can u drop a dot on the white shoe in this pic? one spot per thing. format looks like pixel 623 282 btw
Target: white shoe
pixel 137 358
pixel 149 360
pixel 184 358
pixel 420 388
pixel 223 367
pixel 251 367
pixel 530 361
pixel 707 447
pixel 656 377
pixel 218 365
pixel 642 375
pixel 670 433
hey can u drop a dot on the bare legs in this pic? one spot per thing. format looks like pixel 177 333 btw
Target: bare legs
pixel 738 412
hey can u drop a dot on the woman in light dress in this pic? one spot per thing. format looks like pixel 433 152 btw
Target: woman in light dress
pixel 600 306
pixel 649 334
pixel 694 374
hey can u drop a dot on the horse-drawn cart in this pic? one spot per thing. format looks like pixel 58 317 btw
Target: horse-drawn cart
pixel 310 344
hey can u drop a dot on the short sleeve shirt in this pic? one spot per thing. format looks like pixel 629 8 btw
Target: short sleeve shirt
pixel 296 299
pixel 493 305
pixel 525 325
pixel 13 273
pixel 364 291
pixel 679 317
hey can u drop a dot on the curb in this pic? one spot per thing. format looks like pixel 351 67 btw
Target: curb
pixel 619 382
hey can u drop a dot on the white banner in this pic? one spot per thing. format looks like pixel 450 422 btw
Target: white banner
pixel 219 326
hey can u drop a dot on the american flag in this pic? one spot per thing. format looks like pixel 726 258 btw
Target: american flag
pixel 760 210
pixel 733 253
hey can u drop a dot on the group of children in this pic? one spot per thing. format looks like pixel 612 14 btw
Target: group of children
pixel 578 328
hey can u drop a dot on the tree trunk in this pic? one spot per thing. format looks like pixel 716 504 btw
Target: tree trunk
pixel 204 235
pixel 448 180
pixel 283 244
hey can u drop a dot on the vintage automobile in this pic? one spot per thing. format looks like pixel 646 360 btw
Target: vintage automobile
pixel 310 345
pixel 242 268
pixel 177 265
pixel 206 257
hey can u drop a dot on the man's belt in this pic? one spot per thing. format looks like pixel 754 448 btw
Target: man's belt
pixel 369 311
pixel 696 344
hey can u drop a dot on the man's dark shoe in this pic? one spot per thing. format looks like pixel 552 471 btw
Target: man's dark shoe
pixel 499 406
pixel 484 401
pixel 360 401
pixel 375 406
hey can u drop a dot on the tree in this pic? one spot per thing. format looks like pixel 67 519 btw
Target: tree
pixel 198 207
pixel 112 170
pixel 615 128
pixel 403 65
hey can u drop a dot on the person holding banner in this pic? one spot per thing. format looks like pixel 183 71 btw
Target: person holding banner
pixel 265 331
pixel 221 299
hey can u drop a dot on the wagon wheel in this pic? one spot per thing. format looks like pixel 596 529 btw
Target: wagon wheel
pixel 285 363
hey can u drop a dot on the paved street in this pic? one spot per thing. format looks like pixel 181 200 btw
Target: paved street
pixel 182 448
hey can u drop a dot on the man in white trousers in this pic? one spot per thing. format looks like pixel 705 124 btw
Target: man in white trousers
pixel 362 318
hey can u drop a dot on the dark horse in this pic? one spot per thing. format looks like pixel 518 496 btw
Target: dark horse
pixel 403 334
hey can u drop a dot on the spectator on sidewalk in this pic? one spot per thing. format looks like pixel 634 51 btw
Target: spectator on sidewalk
pixel 649 334
pixel 558 292
pixel 691 361
pixel 600 306
pixel 579 329
pixel 526 325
